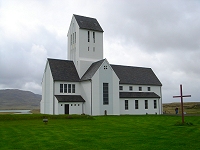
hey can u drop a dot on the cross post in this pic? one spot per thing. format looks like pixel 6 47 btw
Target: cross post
pixel 181 96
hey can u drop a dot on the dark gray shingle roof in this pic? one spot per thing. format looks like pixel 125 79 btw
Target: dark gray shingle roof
pixel 69 98
pixel 63 70
pixel 91 70
pixel 136 75
pixel 138 95
pixel 88 23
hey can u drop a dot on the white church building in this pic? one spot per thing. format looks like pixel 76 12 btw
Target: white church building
pixel 87 83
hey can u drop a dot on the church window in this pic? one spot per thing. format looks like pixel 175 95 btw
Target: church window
pixel 71 104
pixel 146 104
pixel 71 40
pixel 88 48
pixel 94 37
pixel 78 104
pixel 130 88
pixel 120 87
pixel 136 104
pixel 61 88
pixel 140 88
pixel 75 37
pixel 74 104
pixel 93 49
pixel 155 104
pixel 105 67
pixel 65 88
pixel 73 88
pixel 105 94
pixel 126 104
pixel 88 36
pixel 61 105
pixel 69 88
pixel 149 88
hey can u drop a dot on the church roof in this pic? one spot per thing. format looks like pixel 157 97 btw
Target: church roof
pixel 138 95
pixel 63 70
pixel 88 23
pixel 69 98
pixel 91 70
pixel 136 75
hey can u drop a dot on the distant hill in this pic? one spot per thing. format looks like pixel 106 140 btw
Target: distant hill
pixel 18 99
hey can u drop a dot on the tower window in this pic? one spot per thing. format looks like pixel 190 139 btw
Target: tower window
pixel 88 48
pixel 93 49
pixel 71 40
pixel 88 36
pixel 75 37
pixel 94 37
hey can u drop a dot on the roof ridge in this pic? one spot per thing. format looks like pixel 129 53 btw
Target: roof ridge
pixel 130 66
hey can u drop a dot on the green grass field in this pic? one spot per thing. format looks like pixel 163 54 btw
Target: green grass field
pixel 146 132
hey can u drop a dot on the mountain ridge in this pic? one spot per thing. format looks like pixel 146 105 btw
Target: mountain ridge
pixel 19 99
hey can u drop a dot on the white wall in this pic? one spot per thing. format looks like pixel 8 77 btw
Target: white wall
pixel 105 76
pixel 86 95
pixel 47 91
pixel 74 107
pixel 141 106
pixel 77 88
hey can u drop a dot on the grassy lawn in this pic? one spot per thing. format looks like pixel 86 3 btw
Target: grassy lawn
pixel 103 132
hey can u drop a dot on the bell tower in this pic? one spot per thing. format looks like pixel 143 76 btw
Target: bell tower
pixel 85 42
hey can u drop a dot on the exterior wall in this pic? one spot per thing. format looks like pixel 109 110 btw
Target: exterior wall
pixel 155 89
pixel 141 106
pixel 77 88
pixel 74 107
pixel 86 95
pixel 47 92
pixel 100 77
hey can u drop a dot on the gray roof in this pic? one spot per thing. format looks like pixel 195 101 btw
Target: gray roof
pixel 69 98
pixel 91 70
pixel 136 75
pixel 138 95
pixel 63 70
pixel 88 23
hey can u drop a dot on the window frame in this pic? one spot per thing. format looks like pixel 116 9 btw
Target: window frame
pixel 94 37
pixel 121 88
pixel 105 94
pixel 140 88
pixel 126 104
pixel 149 88
pixel 146 104
pixel 73 88
pixel 61 88
pixel 69 88
pixel 130 88
pixel 136 104
pixel 65 88
pixel 88 36
pixel 155 104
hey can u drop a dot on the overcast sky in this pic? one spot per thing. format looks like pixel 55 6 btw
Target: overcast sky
pixel 161 34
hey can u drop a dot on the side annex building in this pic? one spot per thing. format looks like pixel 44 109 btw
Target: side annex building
pixel 87 83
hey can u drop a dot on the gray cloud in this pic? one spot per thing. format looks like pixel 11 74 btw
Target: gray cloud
pixel 163 35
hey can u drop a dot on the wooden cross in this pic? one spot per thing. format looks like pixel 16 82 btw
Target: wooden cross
pixel 181 96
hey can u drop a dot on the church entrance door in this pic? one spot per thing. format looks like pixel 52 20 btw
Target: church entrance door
pixel 66 108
